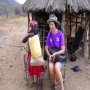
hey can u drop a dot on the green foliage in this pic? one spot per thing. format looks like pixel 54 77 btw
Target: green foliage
pixel 8 2
pixel 2 5
pixel 10 7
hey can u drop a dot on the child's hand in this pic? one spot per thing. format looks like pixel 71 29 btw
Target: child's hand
pixel 31 34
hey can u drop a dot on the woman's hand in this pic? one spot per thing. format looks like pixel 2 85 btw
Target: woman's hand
pixel 50 58
pixel 54 54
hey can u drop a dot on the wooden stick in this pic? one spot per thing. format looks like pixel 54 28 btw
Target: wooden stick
pixel 76 21
pixel 43 30
pixel 43 38
pixel 63 22
pixel 28 20
pixel 70 25
pixel 15 45
pixel 89 36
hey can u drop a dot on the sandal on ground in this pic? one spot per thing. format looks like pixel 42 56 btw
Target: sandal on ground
pixel 40 87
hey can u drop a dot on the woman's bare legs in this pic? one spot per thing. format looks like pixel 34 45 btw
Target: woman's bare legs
pixel 52 71
pixel 58 72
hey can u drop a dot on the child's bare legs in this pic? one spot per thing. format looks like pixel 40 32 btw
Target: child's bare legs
pixel 40 87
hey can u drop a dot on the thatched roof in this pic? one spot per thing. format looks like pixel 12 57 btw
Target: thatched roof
pixel 56 5
pixel 89 1
pixel 79 5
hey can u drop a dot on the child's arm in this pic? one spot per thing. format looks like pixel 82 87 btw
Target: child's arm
pixel 25 39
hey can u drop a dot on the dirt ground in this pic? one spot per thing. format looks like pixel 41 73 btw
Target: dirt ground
pixel 12 74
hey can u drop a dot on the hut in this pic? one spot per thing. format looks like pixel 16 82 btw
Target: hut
pixel 72 14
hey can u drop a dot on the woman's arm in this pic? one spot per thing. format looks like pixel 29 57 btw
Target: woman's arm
pixel 62 43
pixel 25 39
pixel 47 51
pixel 60 52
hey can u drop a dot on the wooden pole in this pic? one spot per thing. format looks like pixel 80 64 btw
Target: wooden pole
pixel 70 25
pixel 85 34
pixel 89 36
pixel 28 21
pixel 63 22
pixel 33 16
pixel 30 17
pixel 28 29
pixel 76 21
pixel 66 30
pixel 63 28
pixel 43 38
pixel 81 19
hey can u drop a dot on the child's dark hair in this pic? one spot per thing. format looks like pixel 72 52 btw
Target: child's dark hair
pixel 56 25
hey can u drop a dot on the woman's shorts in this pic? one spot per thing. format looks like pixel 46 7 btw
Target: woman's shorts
pixel 63 64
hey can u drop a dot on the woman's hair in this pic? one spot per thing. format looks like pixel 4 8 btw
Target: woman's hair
pixel 56 25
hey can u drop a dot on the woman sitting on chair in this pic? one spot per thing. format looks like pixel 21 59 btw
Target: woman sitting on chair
pixel 55 38
pixel 35 72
